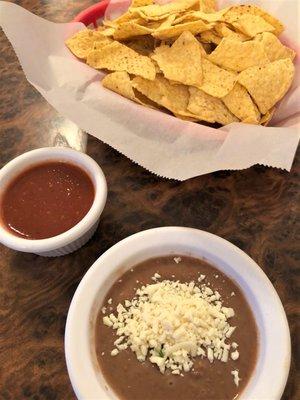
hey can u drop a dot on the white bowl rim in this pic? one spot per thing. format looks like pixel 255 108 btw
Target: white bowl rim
pixel 268 379
pixel 65 154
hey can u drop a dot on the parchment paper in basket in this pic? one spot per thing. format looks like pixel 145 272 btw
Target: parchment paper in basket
pixel 161 143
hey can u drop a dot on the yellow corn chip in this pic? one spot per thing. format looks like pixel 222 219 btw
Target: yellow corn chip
pixel 251 25
pixel 208 108
pixel 224 31
pixel 241 105
pixel 186 117
pixel 273 48
pixel 118 57
pixel 108 31
pixel 109 24
pixel 210 37
pixel 120 83
pixel 99 44
pixel 173 97
pixel 268 84
pixel 235 12
pixel 82 42
pixel 182 61
pixel 143 44
pixel 167 23
pixel 216 81
pixel 207 6
pixel 175 31
pixel 156 11
pixel 196 15
pixel 157 69
pixel 206 47
pixel 126 17
pixel 130 29
pixel 141 3
pixel 265 119
pixel 237 56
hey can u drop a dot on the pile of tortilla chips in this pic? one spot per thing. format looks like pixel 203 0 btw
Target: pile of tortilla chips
pixel 189 59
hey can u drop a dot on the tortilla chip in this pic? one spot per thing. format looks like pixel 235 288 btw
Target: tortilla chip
pixel 118 57
pixel 156 11
pixel 208 108
pixel 197 15
pixel 224 31
pixel 216 81
pixel 207 6
pixel 167 23
pixel 273 48
pixel 140 3
pixel 251 25
pixel 99 44
pixel 121 83
pixel 143 44
pixel 207 47
pixel 210 37
pixel 268 84
pixel 130 29
pixel 182 61
pixel 237 56
pixel 157 69
pixel 108 32
pixel 175 31
pixel 126 17
pixel 235 12
pixel 173 97
pixel 109 24
pixel 239 102
pixel 186 118
pixel 83 41
pixel 266 119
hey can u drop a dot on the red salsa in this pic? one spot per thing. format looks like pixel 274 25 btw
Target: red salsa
pixel 46 200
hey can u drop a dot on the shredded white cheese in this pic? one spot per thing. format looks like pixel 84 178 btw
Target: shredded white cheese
pixel 155 277
pixel 171 323
pixel 235 355
pixel 177 259
pixel 236 378
pixel 201 278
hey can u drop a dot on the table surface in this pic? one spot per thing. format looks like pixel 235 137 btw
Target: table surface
pixel 256 209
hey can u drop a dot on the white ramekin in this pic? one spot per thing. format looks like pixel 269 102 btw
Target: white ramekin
pixel 272 367
pixel 75 237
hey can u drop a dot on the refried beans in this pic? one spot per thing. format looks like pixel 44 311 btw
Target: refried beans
pixel 131 379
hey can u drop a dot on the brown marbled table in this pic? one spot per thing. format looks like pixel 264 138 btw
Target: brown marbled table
pixel 256 209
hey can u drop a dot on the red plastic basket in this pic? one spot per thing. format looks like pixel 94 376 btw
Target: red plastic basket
pixel 92 14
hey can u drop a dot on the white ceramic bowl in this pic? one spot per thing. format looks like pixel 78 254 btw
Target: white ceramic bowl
pixel 272 368
pixel 79 234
